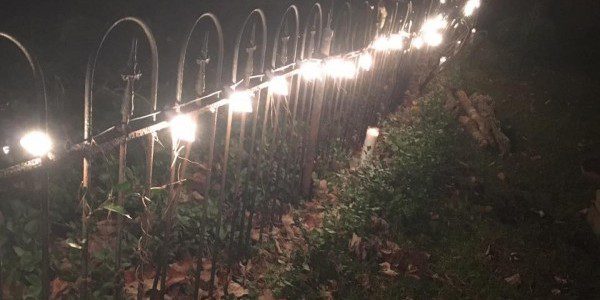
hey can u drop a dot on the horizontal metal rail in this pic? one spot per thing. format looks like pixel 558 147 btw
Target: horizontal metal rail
pixel 91 148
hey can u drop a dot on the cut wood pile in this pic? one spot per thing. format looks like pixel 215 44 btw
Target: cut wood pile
pixel 477 116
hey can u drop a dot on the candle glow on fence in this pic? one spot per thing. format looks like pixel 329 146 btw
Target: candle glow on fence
pixel 241 102
pixel 373 131
pixel 311 70
pixel 417 42
pixel 340 68
pixel 36 143
pixel 365 61
pixel 396 41
pixel 381 43
pixel 431 32
pixel 279 86
pixel 369 144
pixel 183 128
pixel 6 150
pixel 470 7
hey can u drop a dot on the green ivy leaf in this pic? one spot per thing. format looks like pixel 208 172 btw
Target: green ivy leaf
pixel 123 187
pixel 19 251
pixel 116 208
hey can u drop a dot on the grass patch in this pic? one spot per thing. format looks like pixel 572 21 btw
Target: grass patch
pixel 441 196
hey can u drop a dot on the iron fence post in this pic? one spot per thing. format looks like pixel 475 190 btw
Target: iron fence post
pixel 315 119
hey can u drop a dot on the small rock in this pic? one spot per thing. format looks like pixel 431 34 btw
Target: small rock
pixel 555 292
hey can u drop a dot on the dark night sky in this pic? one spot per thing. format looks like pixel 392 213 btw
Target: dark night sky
pixel 66 31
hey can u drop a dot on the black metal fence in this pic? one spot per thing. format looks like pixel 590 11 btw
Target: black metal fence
pixel 324 80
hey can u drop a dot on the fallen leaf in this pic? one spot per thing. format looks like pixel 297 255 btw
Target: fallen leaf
pixel 255 234
pixel 501 176
pixel 58 288
pixel 486 209
pixel 313 221
pixel 197 196
pixel 205 275
pixel 323 186
pixel 387 269
pixel 354 242
pixel 514 279
pixel 278 247
pixel 237 290
pixel 287 220
pixel 560 280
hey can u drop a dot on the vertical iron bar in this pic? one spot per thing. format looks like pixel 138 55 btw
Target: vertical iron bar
pixel 315 119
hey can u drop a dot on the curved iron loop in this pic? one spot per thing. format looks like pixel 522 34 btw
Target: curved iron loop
pixel 203 61
pixel 283 26
pixel 315 22
pixel 154 59
pixel 127 110
pixel 89 86
pixel 40 86
pixel 184 48
pixel 342 27
pixel 238 41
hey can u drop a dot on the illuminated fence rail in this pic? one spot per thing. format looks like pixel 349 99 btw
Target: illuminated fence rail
pixel 246 148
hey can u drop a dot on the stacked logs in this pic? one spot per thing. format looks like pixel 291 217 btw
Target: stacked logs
pixel 476 114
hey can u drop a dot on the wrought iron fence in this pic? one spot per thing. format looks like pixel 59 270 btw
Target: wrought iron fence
pixel 328 77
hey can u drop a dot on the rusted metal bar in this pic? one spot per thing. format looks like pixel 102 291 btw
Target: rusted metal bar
pixel 203 61
pixel 315 119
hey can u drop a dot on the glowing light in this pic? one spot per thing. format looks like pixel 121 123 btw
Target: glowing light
pixel 183 128
pixel 396 41
pixel 473 30
pixel 443 59
pixel 365 61
pixel 6 150
pixel 279 86
pixel 37 143
pixel 434 39
pixel 373 131
pixel 311 70
pixel 434 24
pixel 241 102
pixel 417 42
pixel 431 32
pixel 443 1
pixel 340 68
pixel 369 144
pixel 381 43
pixel 470 7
